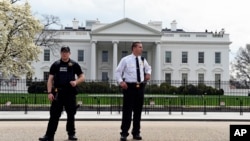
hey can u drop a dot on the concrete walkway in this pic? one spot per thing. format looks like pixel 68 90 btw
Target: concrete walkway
pixel 105 126
pixel 109 130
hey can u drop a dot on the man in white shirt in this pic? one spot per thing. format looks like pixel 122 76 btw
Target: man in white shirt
pixel 131 73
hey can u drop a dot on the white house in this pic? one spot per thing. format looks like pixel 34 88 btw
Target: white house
pixel 173 53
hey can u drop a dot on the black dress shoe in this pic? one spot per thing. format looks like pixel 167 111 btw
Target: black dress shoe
pixel 46 138
pixel 137 137
pixel 72 138
pixel 123 138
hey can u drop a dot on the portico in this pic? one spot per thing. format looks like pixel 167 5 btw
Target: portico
pixel 108 42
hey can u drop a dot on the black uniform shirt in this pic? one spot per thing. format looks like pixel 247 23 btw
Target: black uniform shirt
pixel 64 72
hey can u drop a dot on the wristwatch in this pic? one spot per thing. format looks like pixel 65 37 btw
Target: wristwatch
pixel 49 92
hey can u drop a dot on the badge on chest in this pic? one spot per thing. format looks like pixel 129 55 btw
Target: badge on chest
pixel 63 69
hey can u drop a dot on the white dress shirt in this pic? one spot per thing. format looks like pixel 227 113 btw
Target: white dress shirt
pixel 126 69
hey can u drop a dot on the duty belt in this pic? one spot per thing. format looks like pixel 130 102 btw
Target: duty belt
pixel 134 84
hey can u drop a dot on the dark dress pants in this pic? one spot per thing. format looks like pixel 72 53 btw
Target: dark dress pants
pixel 132 103
pixel 68 101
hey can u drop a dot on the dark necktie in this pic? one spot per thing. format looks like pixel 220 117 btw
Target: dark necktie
pixel 138 70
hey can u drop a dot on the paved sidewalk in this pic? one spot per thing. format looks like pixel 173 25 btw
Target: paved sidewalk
pixel 115 116
pixel 155 126
pixel 109 130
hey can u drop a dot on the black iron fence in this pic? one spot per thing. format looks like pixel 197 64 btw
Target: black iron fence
pixel 165 96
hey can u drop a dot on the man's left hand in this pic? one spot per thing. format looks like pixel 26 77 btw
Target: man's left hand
pixel 147 77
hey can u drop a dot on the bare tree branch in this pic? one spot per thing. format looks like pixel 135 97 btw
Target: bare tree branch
pixel 48 37
pixel 241 67
pixel 13 1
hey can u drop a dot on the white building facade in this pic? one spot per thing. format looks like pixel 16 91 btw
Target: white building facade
pixel 173 53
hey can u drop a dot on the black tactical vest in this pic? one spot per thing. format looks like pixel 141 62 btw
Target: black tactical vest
pixel 64 73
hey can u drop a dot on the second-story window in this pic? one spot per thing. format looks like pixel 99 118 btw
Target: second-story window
pixel 46 55
pixel 184 57
pixel 104 56
pixel 81 55
pixel 168 57
pixel 201 57
pixel 217 57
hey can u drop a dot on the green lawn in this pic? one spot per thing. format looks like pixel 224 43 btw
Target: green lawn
pixel 116 99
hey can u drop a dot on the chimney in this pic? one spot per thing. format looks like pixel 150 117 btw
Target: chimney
pixel 173 25
pixel 75 23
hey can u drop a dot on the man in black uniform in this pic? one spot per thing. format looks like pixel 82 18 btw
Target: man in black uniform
pixel 131 73
pixel 62 77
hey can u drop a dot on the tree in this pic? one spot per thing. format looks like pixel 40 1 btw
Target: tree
pixel 49 37
pixel 13 1
pixel 18 29
pixel 241 67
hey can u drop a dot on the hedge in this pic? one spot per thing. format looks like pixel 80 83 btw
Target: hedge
pixel 106 87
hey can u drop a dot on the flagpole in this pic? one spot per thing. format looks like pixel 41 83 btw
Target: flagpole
pixel 123 8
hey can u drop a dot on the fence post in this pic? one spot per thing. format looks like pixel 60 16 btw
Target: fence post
pixel 119 105
pixel 169 105
pixel 219 91
pixel 204 102
pixel 182 108
pixel 35 89
pixel 241 104
pixel 185 88
pixel 26 105
pixel 98 108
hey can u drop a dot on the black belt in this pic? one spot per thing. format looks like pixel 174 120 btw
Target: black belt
pixel 63 86
pixel 135 84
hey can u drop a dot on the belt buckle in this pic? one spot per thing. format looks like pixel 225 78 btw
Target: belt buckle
pixel 137 85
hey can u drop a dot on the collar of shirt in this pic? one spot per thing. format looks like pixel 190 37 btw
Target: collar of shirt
pixel 139 57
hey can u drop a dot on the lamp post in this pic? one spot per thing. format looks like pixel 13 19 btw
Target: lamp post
pixel 219 92
pixel 26 105
pixel 184 91
pixel 241 104
pixel 169 105
pixel 204 102
pixel 35 90
pixel 98 109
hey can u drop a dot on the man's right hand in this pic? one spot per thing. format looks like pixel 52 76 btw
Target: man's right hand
pixel 123 85
pixel 51 97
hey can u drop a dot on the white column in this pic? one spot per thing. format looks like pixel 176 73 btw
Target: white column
pixel 115 46
pixel 157 69
pixel 93 61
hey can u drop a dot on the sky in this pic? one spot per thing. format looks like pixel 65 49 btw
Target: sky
pixel 190 15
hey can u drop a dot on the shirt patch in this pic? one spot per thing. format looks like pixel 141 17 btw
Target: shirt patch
pixel 63 69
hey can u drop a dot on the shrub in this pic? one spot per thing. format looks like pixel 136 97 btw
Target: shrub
pixel 37 87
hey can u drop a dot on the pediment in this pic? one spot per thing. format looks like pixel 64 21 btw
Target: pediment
pixel 217 70
pixel 201 70
pixel 184 69
pixel 125 26
pixel 44 68
pixel 168 69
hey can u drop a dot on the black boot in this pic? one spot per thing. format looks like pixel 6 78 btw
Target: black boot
pixel 46 138
pixel 72 138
